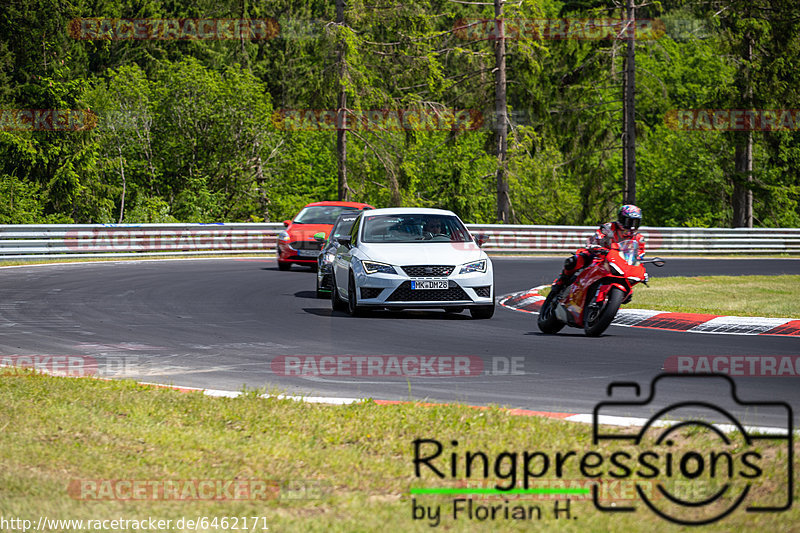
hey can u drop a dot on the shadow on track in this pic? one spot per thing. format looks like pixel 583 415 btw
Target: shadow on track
pixel 392 315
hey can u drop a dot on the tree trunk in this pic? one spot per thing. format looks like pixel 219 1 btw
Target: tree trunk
pixel 341 115
pixel 501 116
pixel 629 112
pixel 261 185
pixel 742 201
pixel 124 186
pixel 742 193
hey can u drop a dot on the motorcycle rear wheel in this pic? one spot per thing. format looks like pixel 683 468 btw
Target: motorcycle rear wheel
pixel 596 322
pixel 547 321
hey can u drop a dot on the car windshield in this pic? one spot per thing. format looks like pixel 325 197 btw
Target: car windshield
pixel 342 227
pixel 321 214
pixel 629 250
pixel 414 228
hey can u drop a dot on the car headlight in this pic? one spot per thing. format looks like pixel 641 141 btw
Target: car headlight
pixel 372 267
pixel 283 236
pixel 476 266
pixel 328 258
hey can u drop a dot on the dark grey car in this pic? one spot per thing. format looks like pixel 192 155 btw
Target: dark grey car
pixel 342 226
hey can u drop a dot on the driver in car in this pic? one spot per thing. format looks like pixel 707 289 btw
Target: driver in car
pixel 434 227
pixel 629 217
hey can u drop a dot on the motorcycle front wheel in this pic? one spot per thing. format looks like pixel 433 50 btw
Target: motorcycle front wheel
pixel 547 321
pixel 597 319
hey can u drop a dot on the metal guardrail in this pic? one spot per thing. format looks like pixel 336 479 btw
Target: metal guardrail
pixel 138 240
pixel 664 240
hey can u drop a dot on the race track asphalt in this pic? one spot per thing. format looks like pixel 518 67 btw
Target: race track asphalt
pixel 222 324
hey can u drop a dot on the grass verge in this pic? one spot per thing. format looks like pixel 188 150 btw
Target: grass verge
pixel 357 460
pixel 758 296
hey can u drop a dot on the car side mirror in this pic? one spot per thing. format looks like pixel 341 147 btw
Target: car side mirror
pixel 481 239
pixel 286 223
pixel 343 240
pixel 320 236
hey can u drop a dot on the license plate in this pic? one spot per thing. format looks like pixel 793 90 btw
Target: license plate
pixel 426 284
pixel 308 253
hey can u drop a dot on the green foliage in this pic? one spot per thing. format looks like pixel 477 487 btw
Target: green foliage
pixel 186 130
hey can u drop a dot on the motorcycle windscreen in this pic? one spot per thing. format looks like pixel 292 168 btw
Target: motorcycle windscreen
pixel 629 250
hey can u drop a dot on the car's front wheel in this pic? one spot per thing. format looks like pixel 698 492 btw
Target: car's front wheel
pixel 352 301
pixel 336 303
pixel 320 292
pixel 483 312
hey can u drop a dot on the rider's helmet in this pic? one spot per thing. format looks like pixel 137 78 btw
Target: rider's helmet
pixel 629 217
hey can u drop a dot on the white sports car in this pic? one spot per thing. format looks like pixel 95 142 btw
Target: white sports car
pixel 411 258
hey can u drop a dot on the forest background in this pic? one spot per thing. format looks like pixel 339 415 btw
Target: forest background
pixel 231 125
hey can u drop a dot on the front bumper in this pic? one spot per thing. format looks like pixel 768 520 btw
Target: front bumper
pixel 394 290
pixel 287 254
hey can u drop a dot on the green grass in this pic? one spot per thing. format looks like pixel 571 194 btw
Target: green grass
pixel 359 457
pixel 758 296
pixel 765 296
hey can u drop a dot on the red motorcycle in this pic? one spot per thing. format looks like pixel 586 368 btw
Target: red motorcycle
pixel 591 298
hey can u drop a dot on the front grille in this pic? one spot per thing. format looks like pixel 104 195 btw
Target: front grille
pixel 403 293
pixel 370 292
pixel 484 292
pixel 306 245
pixel 428 271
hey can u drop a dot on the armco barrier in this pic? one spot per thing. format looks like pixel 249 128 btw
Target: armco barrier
pixel 138 240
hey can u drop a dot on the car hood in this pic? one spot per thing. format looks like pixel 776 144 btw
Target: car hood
pixel 305 232
pixel 434 253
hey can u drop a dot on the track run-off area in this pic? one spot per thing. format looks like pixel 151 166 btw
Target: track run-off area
pixel 239 322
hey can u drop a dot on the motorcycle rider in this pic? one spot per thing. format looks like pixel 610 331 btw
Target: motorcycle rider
pixel 629 217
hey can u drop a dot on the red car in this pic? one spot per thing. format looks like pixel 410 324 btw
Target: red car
pixel 296 243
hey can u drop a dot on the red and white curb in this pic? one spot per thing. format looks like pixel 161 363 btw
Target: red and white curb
pixel 608 420
pixel 530 301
